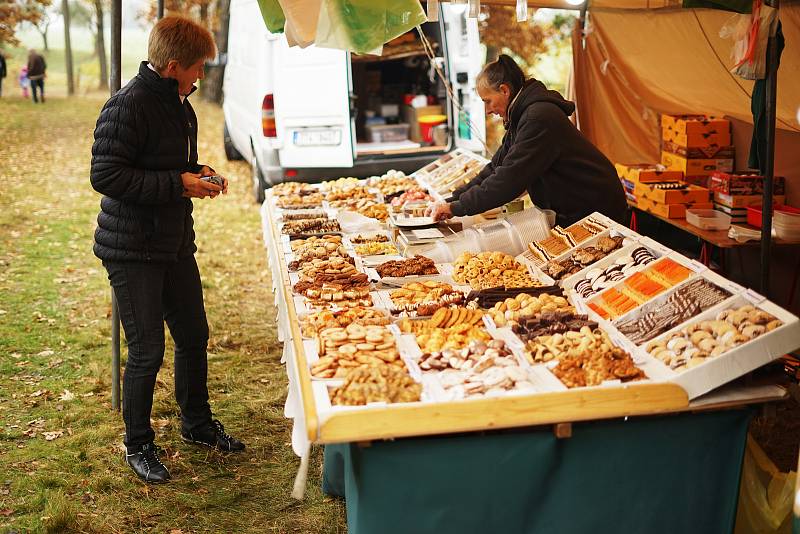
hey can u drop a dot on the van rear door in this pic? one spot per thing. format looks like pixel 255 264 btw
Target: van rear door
pixel 463 53
pixel 312 106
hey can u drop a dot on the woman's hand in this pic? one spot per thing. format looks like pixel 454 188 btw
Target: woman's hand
pixel 439 211
pixel 194 187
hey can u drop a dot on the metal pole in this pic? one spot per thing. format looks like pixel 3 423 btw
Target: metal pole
pixel 160 9
pixel 768 165
pixel 116 83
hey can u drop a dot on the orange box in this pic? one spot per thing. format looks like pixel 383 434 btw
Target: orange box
pixel 691 195
pixel 646 173
pixel 670 211
pixel 695 131
pixel 706 152
pixel 695 167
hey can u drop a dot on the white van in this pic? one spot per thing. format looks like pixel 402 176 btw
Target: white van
pixel 317 113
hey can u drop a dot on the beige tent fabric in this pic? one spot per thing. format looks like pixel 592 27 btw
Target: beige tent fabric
pixel 638 64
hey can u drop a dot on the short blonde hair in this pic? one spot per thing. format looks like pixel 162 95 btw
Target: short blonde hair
pixel 180 39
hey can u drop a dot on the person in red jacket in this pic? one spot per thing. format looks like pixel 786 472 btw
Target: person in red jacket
pixel 144 162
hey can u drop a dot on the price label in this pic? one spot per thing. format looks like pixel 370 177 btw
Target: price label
pixel 696 266
pixel 752 296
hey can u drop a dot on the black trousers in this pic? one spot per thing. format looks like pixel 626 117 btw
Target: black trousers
pixel 40 85
pixel 147 295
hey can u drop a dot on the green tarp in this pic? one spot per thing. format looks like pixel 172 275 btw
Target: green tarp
pixel 672 474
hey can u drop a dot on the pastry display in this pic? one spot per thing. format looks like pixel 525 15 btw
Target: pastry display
pixel 413 195
pixel 348 193
pixel 597 280
pixel 309 243
pixel 292 188
pixel 588 358
pixel 341 349
pixel 310 226
pixel 363 240
pixel 330 269
pixel 373 210
pixel 491 269
pixel 434 335
pixel 639 288
pixel 694 344
pixel 482 369
pixel 375 249
pixel 297 202
pixel 511 310
pixel 655 318
pixel 315 322
pixel 563 239
pixel 340 183
pixel 340 282
pixel 548 323
pixel 385 383
pixel 392 182
pixel 425 297
pixel 322 251
pixel 302 215
pixel 488 298
pixel 416 266
pixel 583 257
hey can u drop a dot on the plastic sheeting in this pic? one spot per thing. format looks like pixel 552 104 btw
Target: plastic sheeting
pixel 638 64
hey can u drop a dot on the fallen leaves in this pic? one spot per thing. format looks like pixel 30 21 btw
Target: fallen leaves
pixel 50 436
pixel 67 396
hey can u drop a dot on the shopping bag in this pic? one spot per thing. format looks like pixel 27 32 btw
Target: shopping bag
pixel 273 15
pixel 750 33
pixel 765 495
pixel 363 26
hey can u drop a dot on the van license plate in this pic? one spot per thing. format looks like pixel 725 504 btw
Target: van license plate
pixel 317 137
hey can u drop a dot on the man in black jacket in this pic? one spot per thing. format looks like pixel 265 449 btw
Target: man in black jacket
pixel 37 72
pixel 144 162
pixel 542 153
pixel 3 71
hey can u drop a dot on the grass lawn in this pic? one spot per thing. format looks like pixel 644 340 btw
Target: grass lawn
pixel 61 461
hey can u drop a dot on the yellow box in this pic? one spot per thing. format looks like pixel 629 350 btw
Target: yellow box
pixel 695 131
pixel 646 173
pixel 695 167
pixel 692 194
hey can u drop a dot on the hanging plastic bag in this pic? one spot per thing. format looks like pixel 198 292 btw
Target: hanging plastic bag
pixel 273 15
pixel 750 33
pixel 301 21
pixel 765 495
pixel 363 26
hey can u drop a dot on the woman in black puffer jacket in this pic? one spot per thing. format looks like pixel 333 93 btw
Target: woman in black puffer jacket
pixel 144 162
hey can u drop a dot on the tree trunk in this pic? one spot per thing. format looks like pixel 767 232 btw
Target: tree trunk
pixel 100 44
pixel 211 88
pixel 43 33
pixel 67 47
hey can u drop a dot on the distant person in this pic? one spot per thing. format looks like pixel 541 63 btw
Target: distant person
pixel 144 162
pixel 3 71
pixel 24 82
pixel 37 68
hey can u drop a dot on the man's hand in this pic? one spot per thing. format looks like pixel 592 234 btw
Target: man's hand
pixel 439 211
pixel 194 187
pixel 206 171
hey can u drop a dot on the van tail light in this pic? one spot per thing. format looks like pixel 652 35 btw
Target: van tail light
pixel 268 116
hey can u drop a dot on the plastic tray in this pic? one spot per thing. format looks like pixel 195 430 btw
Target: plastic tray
pixel 708 219
pixel 754 213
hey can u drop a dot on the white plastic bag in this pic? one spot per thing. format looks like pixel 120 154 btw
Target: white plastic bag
pixel 750 33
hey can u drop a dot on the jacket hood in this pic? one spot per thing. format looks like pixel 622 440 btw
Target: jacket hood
pixel 162 86
pixel 534 91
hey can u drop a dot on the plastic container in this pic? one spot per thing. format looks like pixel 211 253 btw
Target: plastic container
pixel 427 123
pixel 754 213
pixel 708 219
pixel 387 133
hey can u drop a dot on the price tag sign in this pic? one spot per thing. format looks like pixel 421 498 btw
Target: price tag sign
pixel 696 266
pixel 752 296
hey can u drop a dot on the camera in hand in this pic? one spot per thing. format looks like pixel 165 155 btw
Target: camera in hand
pixel 214 179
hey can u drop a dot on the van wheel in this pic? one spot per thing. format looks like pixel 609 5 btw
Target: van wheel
pixel 230 151
pixel 259 184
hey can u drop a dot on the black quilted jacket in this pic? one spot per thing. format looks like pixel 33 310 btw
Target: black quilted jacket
pixel 144 139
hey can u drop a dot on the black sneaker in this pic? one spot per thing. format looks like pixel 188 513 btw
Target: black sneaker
pixel 213 435
pixel 145 463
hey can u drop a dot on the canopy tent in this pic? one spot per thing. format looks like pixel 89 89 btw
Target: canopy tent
pixel 638 64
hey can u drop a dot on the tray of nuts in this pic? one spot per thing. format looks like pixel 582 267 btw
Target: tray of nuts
pixel 382 384
pixel 481 369
pixel 341 349
pixel 492 269
pixel 312 323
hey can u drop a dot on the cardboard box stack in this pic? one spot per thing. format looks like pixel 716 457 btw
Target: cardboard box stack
pixel 733 193
pixel 661 192
pixel 697 145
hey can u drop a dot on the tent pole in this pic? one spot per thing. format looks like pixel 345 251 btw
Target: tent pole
pixel 116 83
pixel 769 160
pixel 160 9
